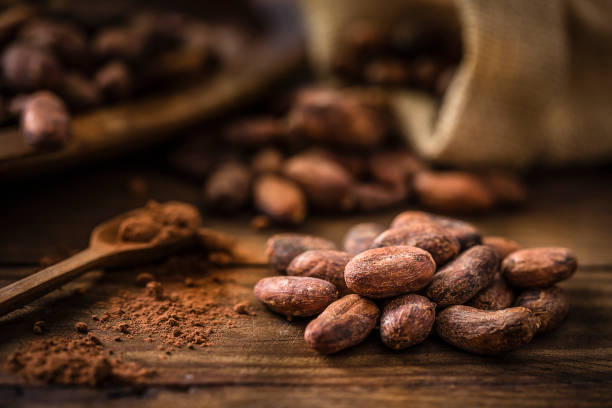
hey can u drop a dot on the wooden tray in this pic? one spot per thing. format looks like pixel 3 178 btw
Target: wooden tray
pixel 135 124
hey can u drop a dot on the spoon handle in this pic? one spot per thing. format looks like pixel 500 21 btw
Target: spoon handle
pixel 25 290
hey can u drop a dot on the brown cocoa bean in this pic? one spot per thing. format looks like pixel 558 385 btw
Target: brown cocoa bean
pixel 498 295
pixel 268 160
pixel 374 196
pixel 503 246
pixel 506 188
pixel 361 236
pixel 114 80
pixel 550 305
pixel 394 167
pixel 79 91
pixel 453 191
pixel 45 122
pixel 228 188
pixel 486 331
pixel 27 68
pixel 282 248
pixel 407 321
pixel 344 323
pixel 464 277
pixel 389 271
pixel 280 199
pixel 65 39
pixel 466 234
pixel 256 132
pixel 295 295
pixel 425 235
pixel 538 267
pixel 326 264
pixel 120 42
pixel 327 184
pixel 387 71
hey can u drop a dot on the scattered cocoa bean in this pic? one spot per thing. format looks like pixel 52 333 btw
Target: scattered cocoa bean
pixel 395 167
pixel 389 271
pixel 503 246
pixel 486 331
pixel 282 248
pixel 27 68
pixel 550 305
pixel 326 264
pixel 295 295
pixel 228 188
pixel 361 236
pixel 453 191
pixel 538 267
pixel 425 235
pixel 506 188
pixel 45 122
pixel 498 295
pixel 343 324
pixel 407 321
pixel 327 184
pixel 280 199
pixel 461 279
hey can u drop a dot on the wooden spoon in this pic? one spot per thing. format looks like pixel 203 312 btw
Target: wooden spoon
pixel 105 250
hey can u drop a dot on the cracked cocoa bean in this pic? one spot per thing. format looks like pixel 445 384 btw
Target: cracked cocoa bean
pixel 407 321
pixel 539 267
pixel 486 331
pixel 550 305
pixel 464 277
pixel 344 323
pixel 389 271
pixel 295 295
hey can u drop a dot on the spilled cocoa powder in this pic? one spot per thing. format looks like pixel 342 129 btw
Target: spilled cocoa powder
pixel 171 305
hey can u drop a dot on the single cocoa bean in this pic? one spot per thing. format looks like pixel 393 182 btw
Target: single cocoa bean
pixel 120 42
pixel 282 248
pixel 407 321
pixel 63 38
pixel 395 167
pixel 327 184
pixel 538 267
pixel 374 196
pixel 498 295
pixel 228 188
pixel 256 132
pixel 453 191
pixel 79 91
pixel 114 80
pixel 45 122
pixel 550 305
pixel 503 246
pixel 280 199
pixel 268 160
pixel 344 323
pixel 389 271
pixel 466 234
pixel 506 188
pixel 324 264
pixel 27 68
pixel 464 277
pixel 486 331
pixel 361 236
pixel 425 235
pixel 295 295
pixel 386 71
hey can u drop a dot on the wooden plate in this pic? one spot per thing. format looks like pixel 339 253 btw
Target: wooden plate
pixel 111 130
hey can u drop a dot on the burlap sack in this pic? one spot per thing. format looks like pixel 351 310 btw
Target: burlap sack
pixel 534 85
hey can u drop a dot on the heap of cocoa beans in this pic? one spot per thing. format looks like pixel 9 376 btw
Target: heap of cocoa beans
pixel 333 150
pixel 56 62
pixel 426 273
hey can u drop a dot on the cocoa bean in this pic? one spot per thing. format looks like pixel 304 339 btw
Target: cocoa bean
pixel 453 191
pixel 45 122
pixel 503 246
pixel 464 277
pixel 228 188
pixel 486 331
pixel 407 321
pixel 506 188
pixel 280 199
pixel 425 235
pixel 395 167
pixel 295 295
pixel 324 264
pixel 389 271
pixel 114 80
pixel 268 160
pixel 498 295
pixel 282 248
pixel 538 267
pixel 27 68
pixel 374 196
pixel 63 38
pixel 361 236
pixel 79 91
pixel 344 323
pixel 256 132
pixel 550 305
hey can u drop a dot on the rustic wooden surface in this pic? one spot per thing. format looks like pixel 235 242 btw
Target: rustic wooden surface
pixel 263 360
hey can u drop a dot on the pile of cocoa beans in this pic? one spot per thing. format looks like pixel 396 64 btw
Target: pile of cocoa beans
pixel 59 61
pixel 333 150
pixel 426 273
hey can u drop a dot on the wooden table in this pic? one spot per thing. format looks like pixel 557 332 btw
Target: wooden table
pixel 264 361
